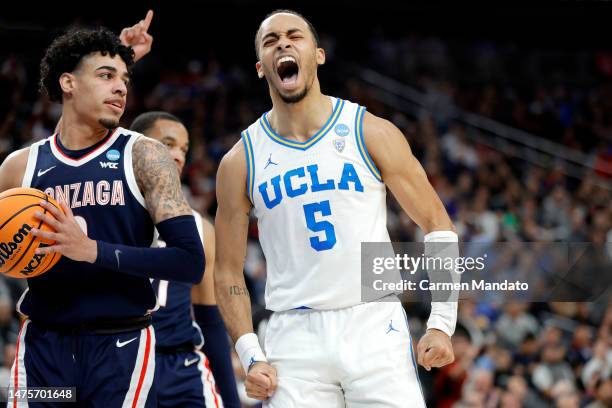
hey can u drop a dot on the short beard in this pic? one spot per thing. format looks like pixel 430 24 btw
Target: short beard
pixel 295 98
pixel 109 123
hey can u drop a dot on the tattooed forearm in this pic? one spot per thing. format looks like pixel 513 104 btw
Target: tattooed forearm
pixel 238 291
pixel 158 180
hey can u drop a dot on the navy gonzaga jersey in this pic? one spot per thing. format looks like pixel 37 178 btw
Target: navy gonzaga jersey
pixel 173 321
pixel 98 184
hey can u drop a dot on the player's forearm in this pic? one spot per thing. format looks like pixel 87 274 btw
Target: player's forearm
pixel 439 221
pixel 235 305
pixel 436 219
pixel 234 302
pixel 181 260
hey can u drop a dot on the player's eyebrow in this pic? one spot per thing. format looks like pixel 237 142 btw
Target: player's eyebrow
pixel 107 67
pixel 126 74
pixel 269 35
pixel 293 31
pixel 276 35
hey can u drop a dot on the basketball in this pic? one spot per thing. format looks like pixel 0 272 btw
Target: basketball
pixel 17 243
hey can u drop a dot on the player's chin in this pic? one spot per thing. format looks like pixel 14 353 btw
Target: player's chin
pixel 109 122
pixel 293 96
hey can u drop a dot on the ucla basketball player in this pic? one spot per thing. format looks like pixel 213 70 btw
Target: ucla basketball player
pixel 314 169
pixel 182 371
pixel 89 318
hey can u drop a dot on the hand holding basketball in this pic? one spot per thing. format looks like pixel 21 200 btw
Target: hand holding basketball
pixel 17 242
pixel 435 350
pixel 70 240
pixel 261 381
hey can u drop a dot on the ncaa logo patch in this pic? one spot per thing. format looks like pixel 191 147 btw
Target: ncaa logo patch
pixel 341 129
pixel 113 155
pixel 339 145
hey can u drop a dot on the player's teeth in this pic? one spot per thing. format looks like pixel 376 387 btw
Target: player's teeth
pixel 285 59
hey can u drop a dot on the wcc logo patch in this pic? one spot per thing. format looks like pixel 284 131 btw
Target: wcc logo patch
pixel 112 155
pixel 339 145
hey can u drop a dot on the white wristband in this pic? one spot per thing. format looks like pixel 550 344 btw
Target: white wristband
pixel 444 314
pixel 249 351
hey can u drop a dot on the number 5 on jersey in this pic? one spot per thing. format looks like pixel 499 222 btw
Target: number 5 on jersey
pixel 310 211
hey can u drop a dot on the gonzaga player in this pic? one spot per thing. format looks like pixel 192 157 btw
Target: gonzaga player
pixel 89 318
pixel 182 372
pixel 314 169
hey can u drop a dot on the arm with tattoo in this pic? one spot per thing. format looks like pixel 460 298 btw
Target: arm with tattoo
pixel 231 226
pixel 183 257
pixel 158 180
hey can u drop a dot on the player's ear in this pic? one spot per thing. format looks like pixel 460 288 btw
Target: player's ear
pixel 259 68
pixel 67 82
pixel 320 56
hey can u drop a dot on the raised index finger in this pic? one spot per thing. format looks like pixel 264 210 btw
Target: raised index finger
pixel 147 20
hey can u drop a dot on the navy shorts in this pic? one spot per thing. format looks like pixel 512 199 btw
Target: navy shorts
pixel 107 370
pixel 184 379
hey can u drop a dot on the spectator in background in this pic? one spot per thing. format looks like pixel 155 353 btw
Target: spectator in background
pixel 514 324
pixel 458 150
pixel 525 358
pixel 6 317
pixel 480 384
pixel 599 367
pixel 603 394
pixel 551 370
pixel 518 387
pixel 450 379
pixel 564 394
pixel 581 348
pixel 7 349
pixel 569 400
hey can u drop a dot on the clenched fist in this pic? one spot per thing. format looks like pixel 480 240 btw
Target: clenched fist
pixel 261 381
pixel 435 349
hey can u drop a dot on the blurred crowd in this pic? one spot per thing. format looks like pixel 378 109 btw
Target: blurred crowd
pixel 507 354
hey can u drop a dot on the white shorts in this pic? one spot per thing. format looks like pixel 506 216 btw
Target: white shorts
pixel 356 357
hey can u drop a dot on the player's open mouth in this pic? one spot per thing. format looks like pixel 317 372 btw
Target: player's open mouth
pixel 287 70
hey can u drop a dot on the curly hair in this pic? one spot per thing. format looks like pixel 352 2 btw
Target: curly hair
pixel 68 50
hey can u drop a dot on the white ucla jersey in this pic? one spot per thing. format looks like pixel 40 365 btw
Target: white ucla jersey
pixel 315 202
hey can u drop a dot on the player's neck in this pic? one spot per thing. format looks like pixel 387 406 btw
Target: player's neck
pixel 299 121
pixel 77 134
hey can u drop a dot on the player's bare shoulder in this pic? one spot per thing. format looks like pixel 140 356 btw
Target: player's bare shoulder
pixel 235 160
pixel 378 130
pixel 13 168
pixel 386 144
pixel 233 168
pixel 231 180
pixel 158 180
